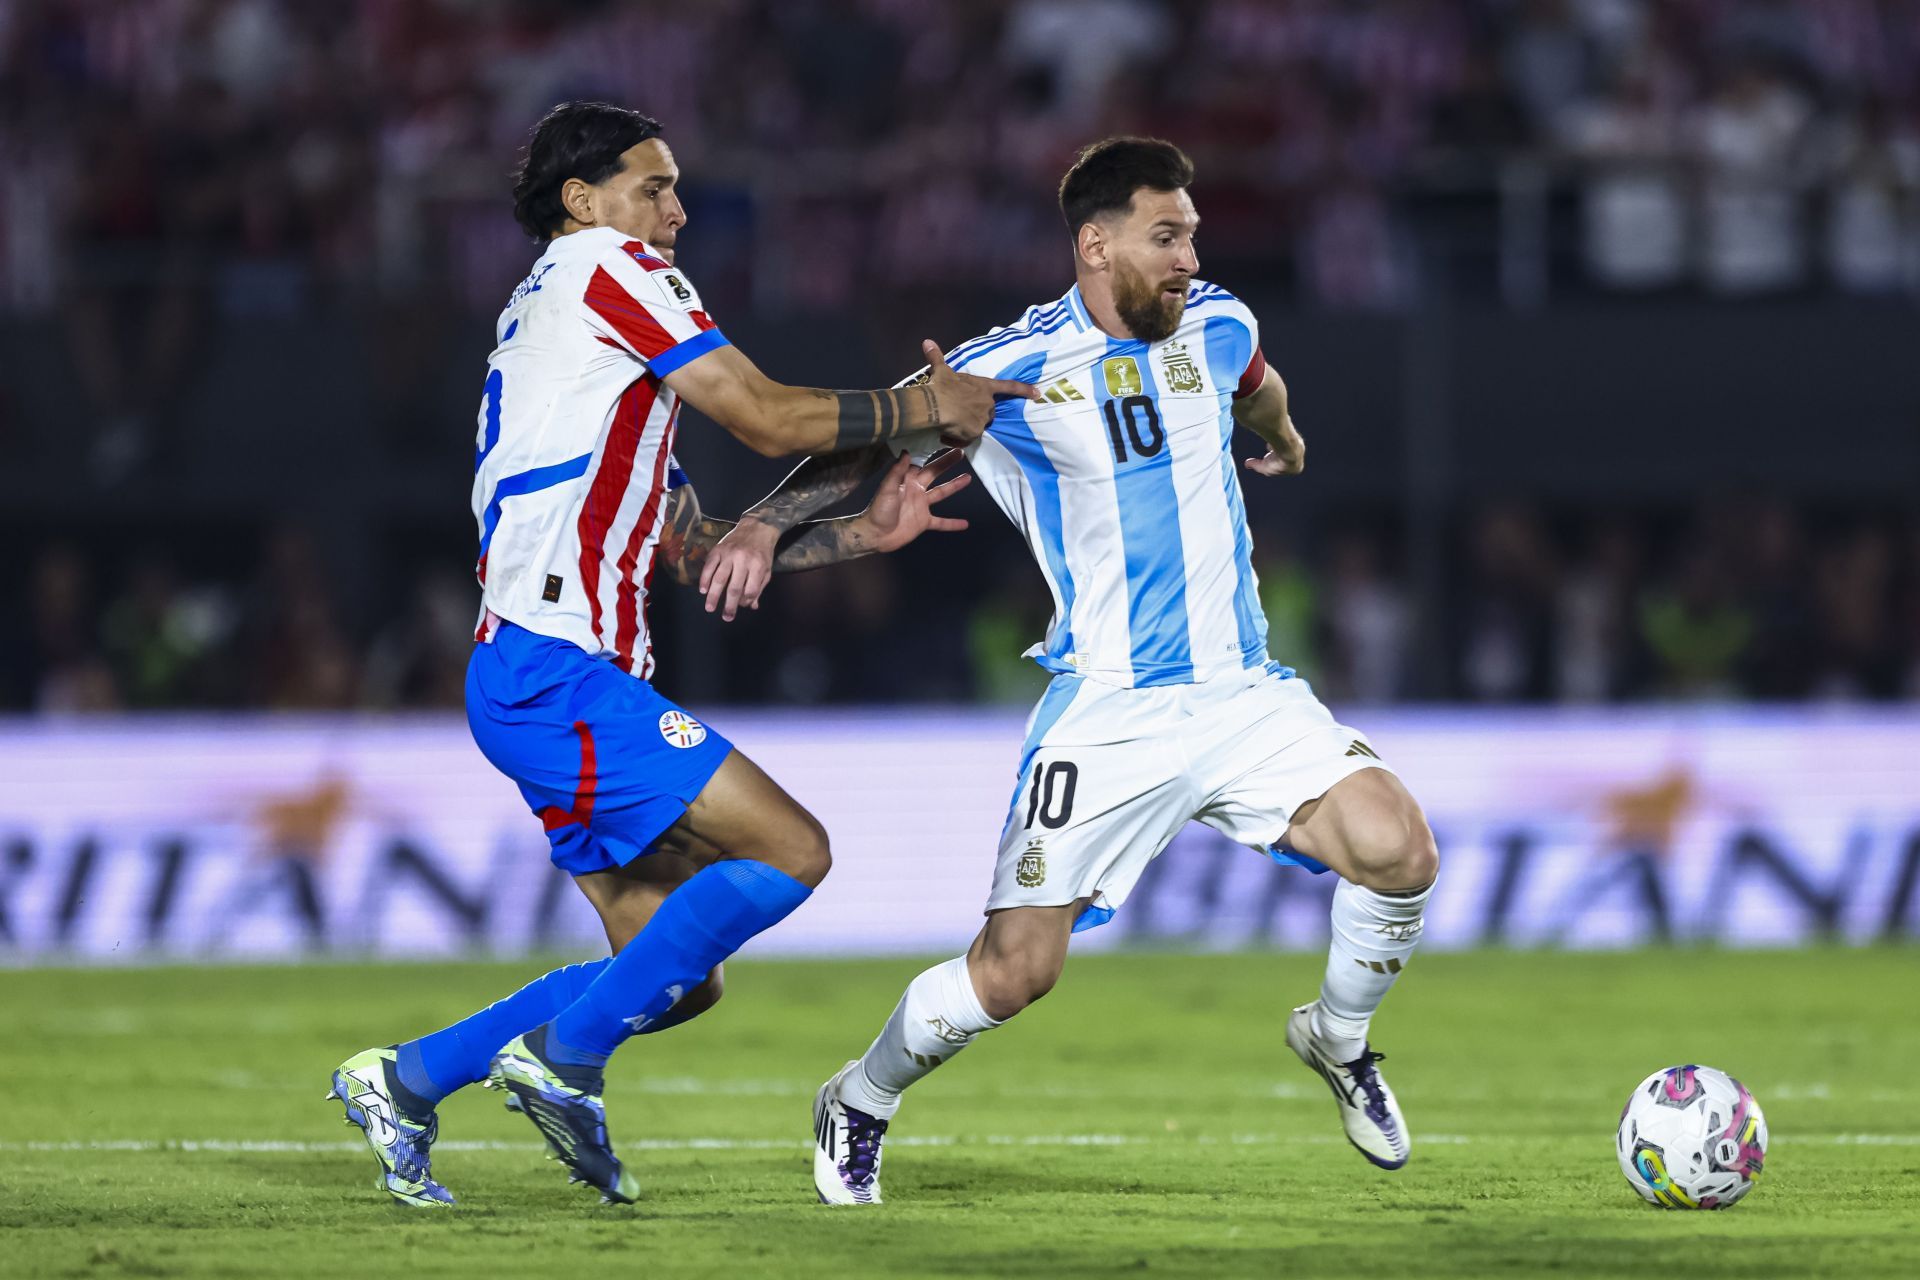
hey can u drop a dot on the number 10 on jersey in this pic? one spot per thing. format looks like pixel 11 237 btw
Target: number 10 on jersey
pixel 1142 430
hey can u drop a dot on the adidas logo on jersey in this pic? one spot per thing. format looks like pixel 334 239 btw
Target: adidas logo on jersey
pixel 1062 392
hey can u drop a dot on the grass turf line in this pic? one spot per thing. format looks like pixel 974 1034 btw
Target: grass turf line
pixel 1145 1118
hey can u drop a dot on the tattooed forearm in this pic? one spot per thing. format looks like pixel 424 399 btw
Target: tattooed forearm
pixel 817 484
pixel 821 543
pixel 688 537
pixel 870 416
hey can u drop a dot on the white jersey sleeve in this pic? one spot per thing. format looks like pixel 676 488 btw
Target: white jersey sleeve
pixel 645 306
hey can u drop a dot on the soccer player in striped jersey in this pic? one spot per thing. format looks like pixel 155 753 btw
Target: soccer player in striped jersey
pixel 1164 705
pixel 683 846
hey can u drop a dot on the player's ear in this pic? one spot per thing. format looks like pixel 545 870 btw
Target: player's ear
pixel 1093 245
pixel 576 197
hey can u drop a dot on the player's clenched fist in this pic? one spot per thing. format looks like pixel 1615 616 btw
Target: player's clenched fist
pixel 962 405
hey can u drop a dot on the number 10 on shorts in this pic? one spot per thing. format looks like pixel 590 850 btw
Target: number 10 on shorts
pixel 1050 800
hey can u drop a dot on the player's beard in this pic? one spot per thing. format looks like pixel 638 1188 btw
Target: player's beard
pixel 1147 313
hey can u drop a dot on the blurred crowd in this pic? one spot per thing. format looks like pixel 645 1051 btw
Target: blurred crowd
pixel 1752 600
pixel 169 168
pixel 1747 600
pixel 270 152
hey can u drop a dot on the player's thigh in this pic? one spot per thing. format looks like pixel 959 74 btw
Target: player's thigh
pixel 743 813
pixel 1019 954
pixel 1086 821
pixel 1370 829
pixel 1305 787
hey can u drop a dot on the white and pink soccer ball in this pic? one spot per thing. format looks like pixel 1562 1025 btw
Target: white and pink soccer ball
pixel 1692 1138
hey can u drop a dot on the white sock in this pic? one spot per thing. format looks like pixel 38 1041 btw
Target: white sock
pixel 937 1017
pixel 1373 935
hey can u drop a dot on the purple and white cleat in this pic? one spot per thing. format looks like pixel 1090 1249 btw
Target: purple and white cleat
pixel 846 1150
pixel 1368 1110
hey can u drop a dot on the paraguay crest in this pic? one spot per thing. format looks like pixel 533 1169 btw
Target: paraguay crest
pixel 681 729
pixel 1123 376
pixel 1183 375
pixel 1031 872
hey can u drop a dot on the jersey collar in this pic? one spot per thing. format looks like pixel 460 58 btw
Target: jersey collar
pixel 1077 308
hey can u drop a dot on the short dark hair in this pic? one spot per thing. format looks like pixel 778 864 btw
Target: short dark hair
pixel 583 140
pixel 1106 174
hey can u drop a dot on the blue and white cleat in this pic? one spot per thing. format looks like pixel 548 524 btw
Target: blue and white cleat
pixel 846 1150
pixel 367 1086
pixel 564 1104
pixel 1368 1110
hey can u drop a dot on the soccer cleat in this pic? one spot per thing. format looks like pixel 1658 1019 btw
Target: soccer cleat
pixel 367 1086
pixel 1368 1110
pixel 846 1151
pixel 564 1104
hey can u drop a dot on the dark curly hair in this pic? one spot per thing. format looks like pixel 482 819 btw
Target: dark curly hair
pixel 583 140
pixel 1106 174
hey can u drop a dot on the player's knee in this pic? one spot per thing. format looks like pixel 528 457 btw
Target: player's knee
pixel 1009 983
pixel 1394 850
pixel 1420 861
pixel 802 850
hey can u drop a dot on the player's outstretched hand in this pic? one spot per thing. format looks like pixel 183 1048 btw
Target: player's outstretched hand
pixel 739 568
pixel 964 402
pixel 1288 458
pixel 902 507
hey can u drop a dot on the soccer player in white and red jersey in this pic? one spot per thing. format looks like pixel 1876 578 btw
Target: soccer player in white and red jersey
pixel 684 847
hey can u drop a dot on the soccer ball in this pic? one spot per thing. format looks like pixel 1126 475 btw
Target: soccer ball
pixel 1692 1138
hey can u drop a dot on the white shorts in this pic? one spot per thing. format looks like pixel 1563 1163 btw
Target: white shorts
pixel 1108 776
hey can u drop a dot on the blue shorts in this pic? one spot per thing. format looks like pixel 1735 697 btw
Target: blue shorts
pixel 604 762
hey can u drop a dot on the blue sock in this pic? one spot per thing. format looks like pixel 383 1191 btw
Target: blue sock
pixel 434 1066
pixel 700 924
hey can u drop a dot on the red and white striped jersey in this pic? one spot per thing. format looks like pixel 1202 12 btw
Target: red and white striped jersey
pixel 574 456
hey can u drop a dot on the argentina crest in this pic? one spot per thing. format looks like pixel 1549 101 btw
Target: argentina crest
pixel 1182 374
pixel 1031 872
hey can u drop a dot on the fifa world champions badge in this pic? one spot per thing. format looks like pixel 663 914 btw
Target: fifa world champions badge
pixel 1122 375
pixel 681 729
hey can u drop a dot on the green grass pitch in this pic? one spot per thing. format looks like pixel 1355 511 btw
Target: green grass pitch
pixel 1145 1119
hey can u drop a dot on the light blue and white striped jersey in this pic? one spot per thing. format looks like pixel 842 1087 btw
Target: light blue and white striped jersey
pixel 1124 482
